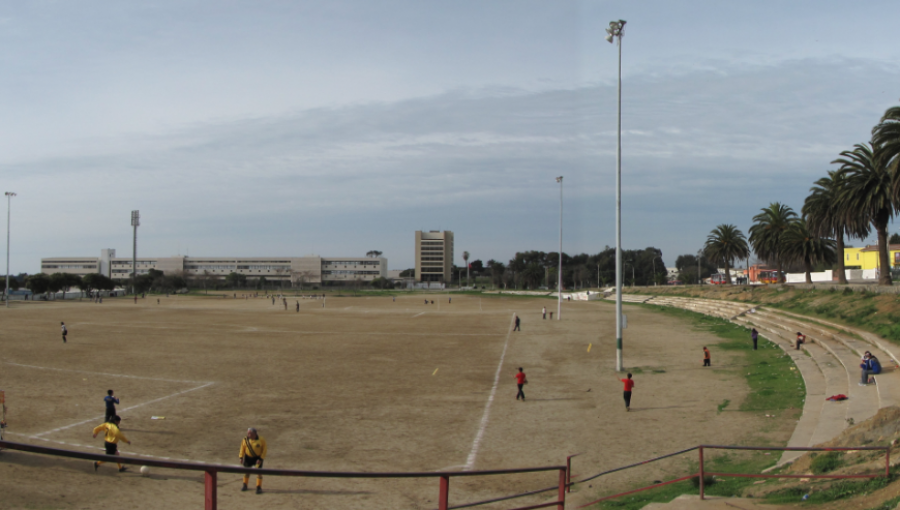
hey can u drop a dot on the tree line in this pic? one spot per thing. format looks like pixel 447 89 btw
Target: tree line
pixel 861 195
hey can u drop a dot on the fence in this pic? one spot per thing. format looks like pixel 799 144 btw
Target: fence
pixel 703 473
pixel 211 472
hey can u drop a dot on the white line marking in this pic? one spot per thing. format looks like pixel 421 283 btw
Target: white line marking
pixel 476 444
pixel 98 448
pixel 124 409
pixel 418 314
pixel 98 373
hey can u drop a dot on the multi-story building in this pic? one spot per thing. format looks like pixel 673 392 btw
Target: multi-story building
pixel 314 270
pixel 434 256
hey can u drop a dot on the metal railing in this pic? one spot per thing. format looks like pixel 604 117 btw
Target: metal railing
pixel 211 472
pixel 703 473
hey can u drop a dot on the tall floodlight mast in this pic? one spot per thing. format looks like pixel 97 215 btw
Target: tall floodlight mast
pixel 615 32
pixel 9 195
pixel 135 222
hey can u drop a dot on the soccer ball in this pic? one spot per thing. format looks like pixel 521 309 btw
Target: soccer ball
pixel 145 470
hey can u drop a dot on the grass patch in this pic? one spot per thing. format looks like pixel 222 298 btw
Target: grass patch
pixel 724 487
pixel 721 407
pixel 828 491
pixel 773 385
pixel 830 461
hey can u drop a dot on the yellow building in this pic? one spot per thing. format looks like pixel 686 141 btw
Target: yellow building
pixel 867 258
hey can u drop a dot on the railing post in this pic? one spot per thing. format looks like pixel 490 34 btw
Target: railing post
pixel 701 473
pixel 887 462
pixel 444 496
pixel 563 476
pixel 210 482
pixel 568 473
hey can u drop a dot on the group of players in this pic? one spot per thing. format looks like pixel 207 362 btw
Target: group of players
pixel 252 452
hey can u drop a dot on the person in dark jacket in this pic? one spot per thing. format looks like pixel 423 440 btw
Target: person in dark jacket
pixel 870 366
pixel 754 335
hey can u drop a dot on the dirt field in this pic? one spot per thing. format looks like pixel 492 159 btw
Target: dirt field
pixel 363 384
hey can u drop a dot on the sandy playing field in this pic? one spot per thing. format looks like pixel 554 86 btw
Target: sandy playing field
pixel 364 384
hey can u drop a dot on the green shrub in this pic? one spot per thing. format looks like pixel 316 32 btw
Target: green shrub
pixel 830 461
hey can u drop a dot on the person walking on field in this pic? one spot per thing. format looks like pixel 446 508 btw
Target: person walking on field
pixel 110 402
pixel 253 453
pixel 754 335
pixel 706 357
pixel 521 381
pixel 517 324
pixel 112 436
pixel 64 331
pixel 544 313
pixel 629 385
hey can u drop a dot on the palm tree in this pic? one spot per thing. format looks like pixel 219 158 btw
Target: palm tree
pixel 800 245
pixel 826 216
pixel 466 258
pixel 724 244
pixel 868 193
pixel 886 137
pixel 766 234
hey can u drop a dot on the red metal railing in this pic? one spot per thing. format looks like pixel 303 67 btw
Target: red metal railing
pixel 212 470
pixel 703 473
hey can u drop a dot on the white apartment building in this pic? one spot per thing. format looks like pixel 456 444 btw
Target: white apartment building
pixel 274 269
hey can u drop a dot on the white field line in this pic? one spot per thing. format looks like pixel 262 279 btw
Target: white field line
pixel 418 314
pixel 92 447
pixel 37 436
pixel 99 373
pixel 370 333
pixel 476 444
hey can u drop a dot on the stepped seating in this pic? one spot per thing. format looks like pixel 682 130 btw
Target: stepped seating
pixel 828 363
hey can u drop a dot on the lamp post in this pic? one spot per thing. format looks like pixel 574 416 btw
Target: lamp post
pixel 135 222
pixel 559 282
pixel 615 31
pixel 9 195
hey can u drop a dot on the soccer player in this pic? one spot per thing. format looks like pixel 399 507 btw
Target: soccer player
pixel 517 324
pixel 253 453
pixel 706 357
pixel 110 402
pixel 64 331
pixel 112 436
pixel 629 385
pixel 521 381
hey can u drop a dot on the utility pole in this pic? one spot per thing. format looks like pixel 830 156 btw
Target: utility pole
pixel 615 31
pixel 135 222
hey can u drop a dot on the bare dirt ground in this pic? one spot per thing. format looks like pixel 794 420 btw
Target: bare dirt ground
pixel 364 384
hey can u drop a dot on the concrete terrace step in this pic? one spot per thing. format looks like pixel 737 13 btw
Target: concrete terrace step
pixel 824 376
pixel 887 383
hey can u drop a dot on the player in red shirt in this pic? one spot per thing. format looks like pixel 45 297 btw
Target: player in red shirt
pixel 521 381
pixel 629 384
pixel 706 357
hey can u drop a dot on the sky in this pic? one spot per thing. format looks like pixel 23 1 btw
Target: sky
pixel 272 128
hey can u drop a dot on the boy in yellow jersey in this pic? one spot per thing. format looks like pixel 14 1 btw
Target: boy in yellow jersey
pixel 253 452
pixel 112 436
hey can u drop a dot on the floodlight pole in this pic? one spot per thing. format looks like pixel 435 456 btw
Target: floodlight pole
pixel 9 195
pixel 559 282
pixel 615 32
pixel 135 222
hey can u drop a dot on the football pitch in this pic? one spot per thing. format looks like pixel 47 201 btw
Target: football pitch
pixel 361 384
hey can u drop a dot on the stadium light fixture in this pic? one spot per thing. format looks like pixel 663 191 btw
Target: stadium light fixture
pixel 9 195
pixel 615 31
pixel 559 279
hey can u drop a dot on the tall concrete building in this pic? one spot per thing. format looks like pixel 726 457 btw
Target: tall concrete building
pixel 434 256
pixel 296 270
